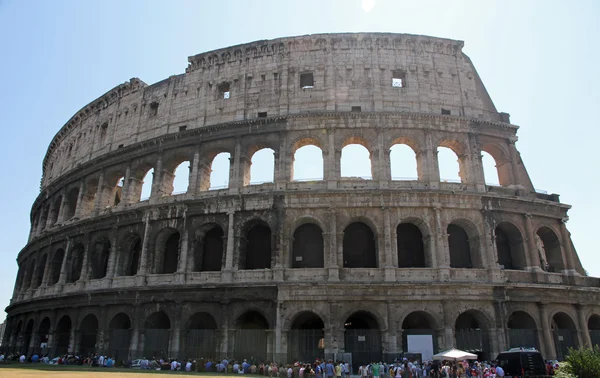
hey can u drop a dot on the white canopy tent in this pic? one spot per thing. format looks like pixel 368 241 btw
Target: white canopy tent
pixel 455 355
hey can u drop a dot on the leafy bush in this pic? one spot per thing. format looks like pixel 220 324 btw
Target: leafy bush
pixel 583 362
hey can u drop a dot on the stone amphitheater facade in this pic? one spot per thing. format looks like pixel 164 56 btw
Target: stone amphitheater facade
pixel 297 269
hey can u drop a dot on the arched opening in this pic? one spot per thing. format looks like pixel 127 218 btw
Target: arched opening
pixel 181 178
pixel 54 212
pixel 146 190
pixel 257 247
pixel 31 274
pixel 27 337
pixel 403 163
pixel 419 335
pixel 251 336
pixel 565 334
pixel 39 273
pixel 356 162
pixel 362 338
pixel 117 195
pixel 262 169
pixel 17 335
pixel 88 335
pixel 167 251
pixel 490 172
pixel 449 165
pixel 307 248
pixel 201 337
pixel 43 334
pixel 522 331
pixel 120 337
pixel 360 246
pixel 131 257
pixel 88 199
pixel 209 250
pixel 411 252
pixel 509 244
pixel 75 263
pixel 71 203
pixel 462 248
pixel 156 335
pixel 99 257
pixel 471 334
pixel 308 163
pixel 594 328
pixel 306 337
pixel 550 250
pixel 55 266
pixel 219 172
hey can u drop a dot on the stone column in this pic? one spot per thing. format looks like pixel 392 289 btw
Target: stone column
pixel 183 250
pixel 85 265
pixel 194 184
pixel 385 163
pixel 143 269
pixel 278 330
pixel 113 256
pixel 489 243
pixel 331 169
pixel 283 163
pixel 134 346
pixel 46 276
pixel 449 341
pixel 157 177
pixel 99 202
pixel 175 336
pixel 224 329
pixel 476 166
pixel 80 206
pixel 385 253
pixel 235 173
pixel 392 338
pixel 569 254
pixel 584 333
pixel 514 159
pixel 62 278
pixel 126 190
pixel 441 241
pixel 548 347
pixel 227 273
pixel 533 256
pixel 431 169
pixel 332 259
pixel 64 202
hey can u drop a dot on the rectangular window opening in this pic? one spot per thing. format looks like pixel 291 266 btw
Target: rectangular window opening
pixel 224 90
pixel 356 109
pixel 307 80
pixel 398 79
pixel 120 146
pixel 153 109
pixel 446 111
pixel 182 128
pixel 262 114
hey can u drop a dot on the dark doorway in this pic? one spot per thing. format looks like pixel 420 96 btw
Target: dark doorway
pixel 362 339
pixel 156 336
pixel 552 250
pixel 209 251
pixel 43 336
pixel 509 245
pixel 55 266
pixel 39 276
pixel 251 336
pixel 460 250
pixel 132 261
pixel 258 247
pixel 522 331
pixel 360 249
pixel 418 323
pixel 75 263
pixel 594 328
pixel 307 250
pixel 99 258
pixel 88 333
pixel 306 338
pixel 120 337
pixel 411 253
pixel 171 254
pixel 62 335
pixel 27 337
pixel 201 337
pixel 565 334
pixel 470 335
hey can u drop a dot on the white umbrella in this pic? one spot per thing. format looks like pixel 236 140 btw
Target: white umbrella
pixel 455 355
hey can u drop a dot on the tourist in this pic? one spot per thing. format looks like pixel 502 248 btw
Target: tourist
pixel 329 369
pixel 22 358
pixel 338 370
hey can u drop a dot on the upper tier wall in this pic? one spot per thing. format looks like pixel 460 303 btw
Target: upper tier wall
pixel 264 76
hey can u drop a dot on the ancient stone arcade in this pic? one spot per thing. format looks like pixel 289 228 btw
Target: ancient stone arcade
pixel 290 268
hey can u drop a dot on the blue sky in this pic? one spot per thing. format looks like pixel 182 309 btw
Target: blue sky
pixel 538 60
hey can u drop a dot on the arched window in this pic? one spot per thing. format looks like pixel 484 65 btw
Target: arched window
pixel 118 191
pixel 308 163
pixel 75 263
pixel 360 249
pixel 307 249
pixel 460 248
pixel 62 335
pixel 362 338
pixel 356 162
pixel 565 334
pixel 156 336
pixel 257 248
pixel 88 333
pixel 403 162
pixel 251 335
pixel 208 256
pixel 71 203
pixel 130 255
pixel 262 169
pixel 99 258
pixel 550 250
pixel 201 336
pixel 181 179
pixel 471 333
pixel 490 171
pixel 522 331
pixel 44 331
pixel 40 271
pixel 219 171
pixel 594 328
pixel 411 252
pixel 306 337
pixel 167 251
pixel 509 244
pixel 147 185
pixel 496 165
pixel 448 164
pixel 54 211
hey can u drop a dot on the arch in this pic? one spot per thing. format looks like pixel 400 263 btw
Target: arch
pixel 112 191
pixel 307 160
pixel 71 203
pixel 39 273
pixel 27 334
pixel 565 334
pixel 262 167
pixel 120 336
pixel 490 172
pixel 411 249
pixel 88 199
pixel 356 159
pixel 404 163
pixel 463 244
pixel 306 337
pixel 54 211
pixel 131 250
pixel 181 179
pixel 156 335
pixel 166 254
pixel 421 324
pixel 43 334
pixel 308 247
pixel 359 246
pixel 62 335
pixel 201 336
pixel 88 330
pixel 31 274
pixel 99 258
pixel 510 246
pixel 451 162
pixel 522 331
pixel 175 176
pixel 471 331
pixel 217 173
pixel 251 335
pixel 257 248
pixel 550 249
pixel 501 169
pixel 55 266
pixel 208 253
pixel 594 329
pixel 362 338
pixel 145 187
pixel 75 263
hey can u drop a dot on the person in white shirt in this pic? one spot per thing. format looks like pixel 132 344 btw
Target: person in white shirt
pixel 188 366
pixel 22 359
pixel 174 365
pixel 101 361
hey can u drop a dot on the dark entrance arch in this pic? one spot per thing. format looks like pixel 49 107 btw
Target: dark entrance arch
pixel 201 337
pixel 55 266
pixel 157 330
pixel 471 335
pixel 39 273
pixel 209 250
pixel 509 244
pixel 307 250
pixel 360 247
pixel 131 252
pixel 167 251
pixel 75 263
pixel 460 249
pixel 120 337
pixel 257 248
pixel 27 337
pixel 565 334
pixel 43 334
pixel 411 253
pixel 418 323
pixel 88 335
pixel 99 258
pixel 594 328
pixel 306 337
pixel 522 331
pixel 552 250
pixel 251 336
pixel 62 335
pixel 362 338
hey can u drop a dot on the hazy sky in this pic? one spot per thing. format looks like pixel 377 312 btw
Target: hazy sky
pixel 538 60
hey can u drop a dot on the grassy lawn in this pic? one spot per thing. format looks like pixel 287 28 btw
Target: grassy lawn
pixel 42 370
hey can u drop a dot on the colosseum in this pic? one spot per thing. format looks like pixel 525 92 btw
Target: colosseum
pixel 350 267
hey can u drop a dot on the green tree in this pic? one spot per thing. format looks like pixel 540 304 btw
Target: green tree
pixel 583 362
